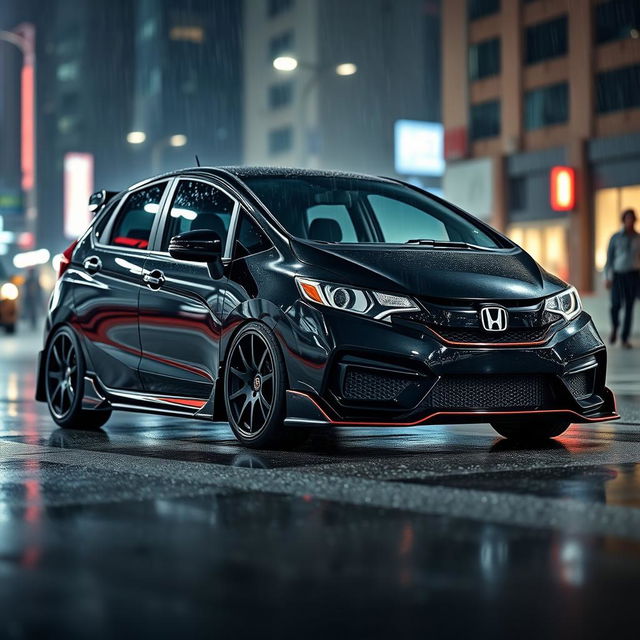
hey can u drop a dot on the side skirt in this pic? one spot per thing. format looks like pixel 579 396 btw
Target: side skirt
pixel 96 397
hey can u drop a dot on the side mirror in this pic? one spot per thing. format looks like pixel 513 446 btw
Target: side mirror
pixel 100 198
pixel 201 245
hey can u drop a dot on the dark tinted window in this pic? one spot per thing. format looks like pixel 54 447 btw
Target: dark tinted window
pixel 546 106
pixel 136 217
pixel 280 95
pixel 104 217
pixel 198 205
pixel 339 209
pixel 618 89
pixel 546 40
pixel 276 7
pixel 280 140
pixel 484 59
pixel 481 8
pixel 280 45
pixel 617 20
pixel 250 238
pixel 485 120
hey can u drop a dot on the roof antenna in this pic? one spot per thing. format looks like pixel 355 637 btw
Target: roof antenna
pixel 197 160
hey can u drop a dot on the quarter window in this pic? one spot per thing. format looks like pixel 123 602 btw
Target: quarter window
pixel 136 217
pixel 198 205
pixel 250 238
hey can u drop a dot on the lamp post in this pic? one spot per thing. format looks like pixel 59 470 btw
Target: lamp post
pixel 287 64
pixel 24 38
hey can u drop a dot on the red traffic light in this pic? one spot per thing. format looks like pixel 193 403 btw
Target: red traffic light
pixel 563 188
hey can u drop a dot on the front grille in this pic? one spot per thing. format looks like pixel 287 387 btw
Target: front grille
pixel 361 384
pixel 581 384
pixel 489 392
pixel 475 335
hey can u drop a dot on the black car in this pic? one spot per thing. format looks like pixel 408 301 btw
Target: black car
pixel 285 299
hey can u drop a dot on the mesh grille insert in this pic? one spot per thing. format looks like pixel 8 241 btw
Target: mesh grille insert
pixel 581 384
pixel 362 384
pixel 489 392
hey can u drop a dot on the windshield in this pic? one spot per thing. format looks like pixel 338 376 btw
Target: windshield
pixel 336 209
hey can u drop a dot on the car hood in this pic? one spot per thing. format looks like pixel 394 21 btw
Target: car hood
pixel 436 273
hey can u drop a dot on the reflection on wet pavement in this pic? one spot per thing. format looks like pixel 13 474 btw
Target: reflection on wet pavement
pixel 168 527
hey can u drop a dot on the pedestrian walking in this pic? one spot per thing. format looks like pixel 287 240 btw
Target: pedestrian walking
pixel 32 297
pixel 622 273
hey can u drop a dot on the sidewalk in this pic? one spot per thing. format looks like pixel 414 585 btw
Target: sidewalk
pixel 597 306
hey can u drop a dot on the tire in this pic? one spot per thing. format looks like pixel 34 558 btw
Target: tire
pixel 255 380
pixel 531 432
pixel 64 378
pixel 10 329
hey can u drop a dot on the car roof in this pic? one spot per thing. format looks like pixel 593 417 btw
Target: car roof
pixel 242 173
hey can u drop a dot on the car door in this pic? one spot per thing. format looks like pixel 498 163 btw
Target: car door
pixel 180 305
pixel 108 286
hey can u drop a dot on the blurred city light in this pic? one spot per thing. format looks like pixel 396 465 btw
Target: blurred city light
pixel 56 261
pixel 78 187
pixel 31 258
pixel 178 140
pixel 346 69
pixel 562 188
pixel 136 137
pixel 285 63
pixel 8 291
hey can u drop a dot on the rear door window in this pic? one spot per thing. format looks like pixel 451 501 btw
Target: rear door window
pixel 136 217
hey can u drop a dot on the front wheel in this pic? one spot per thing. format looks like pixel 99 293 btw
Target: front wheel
pixel 531 431
pixel 64 380
pixel 254 387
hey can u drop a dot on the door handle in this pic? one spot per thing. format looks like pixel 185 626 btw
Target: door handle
pixel 92 264
pixel 154 279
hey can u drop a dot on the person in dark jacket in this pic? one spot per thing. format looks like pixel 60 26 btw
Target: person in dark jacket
pixel 622 273
pixel 32 297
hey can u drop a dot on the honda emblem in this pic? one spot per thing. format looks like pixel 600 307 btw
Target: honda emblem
pixel 493 318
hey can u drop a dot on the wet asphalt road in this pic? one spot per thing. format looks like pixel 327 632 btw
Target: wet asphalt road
pixel 161 527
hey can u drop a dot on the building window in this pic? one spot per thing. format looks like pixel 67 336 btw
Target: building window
pixel 546 40
pixel 546 106
pixel 618 89
pixel 481 8
pixel 617 20
pixel 276 7
pixel 485 120
pixel 518 193
pixel 484 59
pixel 280 95
pixel 280 140
pixel 280 45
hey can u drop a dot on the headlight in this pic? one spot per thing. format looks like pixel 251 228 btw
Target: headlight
pixel 8 291
pixel 567 304
pixel 370 303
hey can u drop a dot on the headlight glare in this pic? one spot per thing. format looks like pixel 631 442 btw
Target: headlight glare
pixel 371 303
pixel 8 291
pixel 567 304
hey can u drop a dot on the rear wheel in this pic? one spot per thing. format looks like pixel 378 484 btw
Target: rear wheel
pixel 64 381
pixel 255 386
pixel 529 432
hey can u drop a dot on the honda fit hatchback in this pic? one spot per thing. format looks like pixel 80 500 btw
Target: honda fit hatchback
pixel 281 300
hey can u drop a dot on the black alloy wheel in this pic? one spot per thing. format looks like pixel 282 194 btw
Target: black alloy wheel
pixel 255 387
pixel 64 380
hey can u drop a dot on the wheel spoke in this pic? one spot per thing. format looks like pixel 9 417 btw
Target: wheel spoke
pixel 262 360
pixel 251 412
pixel 244 390
pixel 267 377
pixel 264 405
pixel 245 364
pixel 56 355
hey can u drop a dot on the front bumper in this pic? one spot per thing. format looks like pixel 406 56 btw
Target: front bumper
pixel 349 370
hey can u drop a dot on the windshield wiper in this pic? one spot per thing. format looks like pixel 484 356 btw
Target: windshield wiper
pixel 446 244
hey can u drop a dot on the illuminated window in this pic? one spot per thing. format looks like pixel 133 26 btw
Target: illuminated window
pixel 185 33
pixel 546 242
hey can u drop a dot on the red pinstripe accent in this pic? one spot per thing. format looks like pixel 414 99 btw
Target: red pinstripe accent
pixel 488 344
pixel 187 402
pixel 614 416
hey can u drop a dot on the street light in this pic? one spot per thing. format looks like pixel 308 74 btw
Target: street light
pixel 136 137
pixel 289 63
pixel 178 140
pixel 24 38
